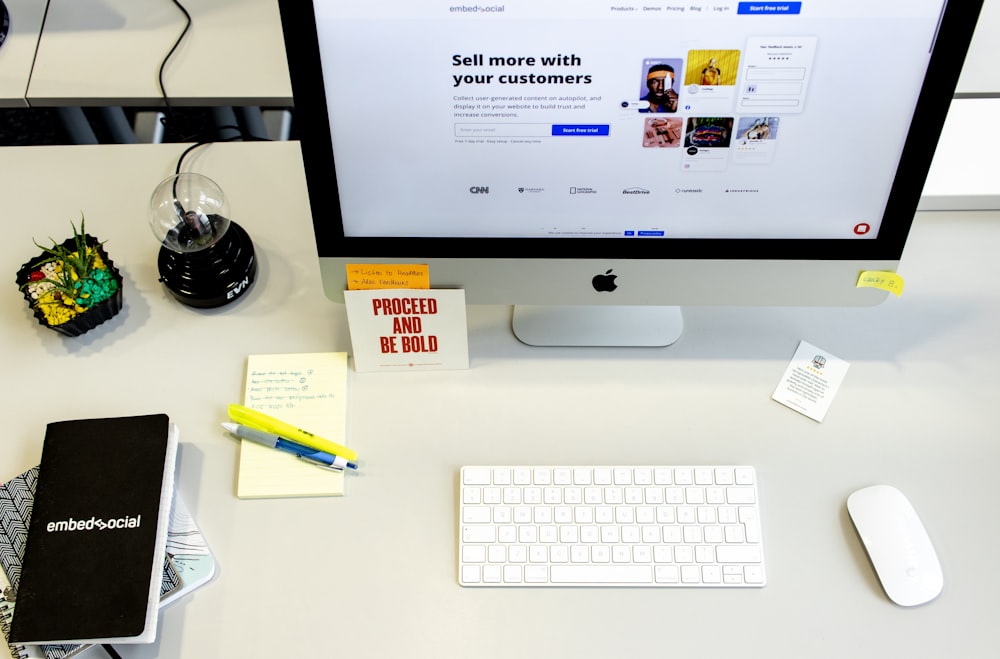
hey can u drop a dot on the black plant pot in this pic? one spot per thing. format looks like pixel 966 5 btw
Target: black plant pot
pixel 94 316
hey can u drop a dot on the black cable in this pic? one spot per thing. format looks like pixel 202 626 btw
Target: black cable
pixel 234 138
pixel 111 651
pixel 163 64
pixel 169 108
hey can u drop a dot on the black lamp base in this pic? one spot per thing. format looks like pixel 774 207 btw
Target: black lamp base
pixel 215 276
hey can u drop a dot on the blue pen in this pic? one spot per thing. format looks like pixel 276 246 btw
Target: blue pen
pixel 306 453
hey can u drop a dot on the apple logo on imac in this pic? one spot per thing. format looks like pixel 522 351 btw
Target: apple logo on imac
pixel 605 283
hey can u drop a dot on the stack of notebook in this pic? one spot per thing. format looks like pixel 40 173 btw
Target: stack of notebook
pixel 94 541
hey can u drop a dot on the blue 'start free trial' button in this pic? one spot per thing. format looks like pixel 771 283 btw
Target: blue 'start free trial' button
pixel 769 8
pixel 580 129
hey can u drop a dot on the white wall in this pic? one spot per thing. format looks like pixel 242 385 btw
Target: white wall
pixel 981 75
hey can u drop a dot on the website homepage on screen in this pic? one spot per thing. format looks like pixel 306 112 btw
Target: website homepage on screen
pixel 640 121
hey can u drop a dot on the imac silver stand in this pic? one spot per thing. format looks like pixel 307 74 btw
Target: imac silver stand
pixel 597 326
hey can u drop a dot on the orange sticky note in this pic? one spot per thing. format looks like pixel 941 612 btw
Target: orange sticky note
pixel 884 280
pixel 369 276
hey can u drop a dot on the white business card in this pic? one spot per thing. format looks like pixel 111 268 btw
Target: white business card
pixel 811 381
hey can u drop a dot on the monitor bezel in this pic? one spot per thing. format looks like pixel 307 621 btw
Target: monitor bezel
pixel 311 126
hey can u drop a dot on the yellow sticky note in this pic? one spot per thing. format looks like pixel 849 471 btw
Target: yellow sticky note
pixel 369 276
pixel 885 280
pixel 308 390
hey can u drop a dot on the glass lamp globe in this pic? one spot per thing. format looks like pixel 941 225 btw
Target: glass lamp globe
pixel 206 259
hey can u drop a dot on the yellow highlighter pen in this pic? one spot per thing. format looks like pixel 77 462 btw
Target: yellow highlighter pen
pixel 254 419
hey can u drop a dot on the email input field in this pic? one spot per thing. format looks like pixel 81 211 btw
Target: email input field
pixel 503 130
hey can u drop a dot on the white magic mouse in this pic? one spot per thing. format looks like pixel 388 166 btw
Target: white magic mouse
pixel 897 544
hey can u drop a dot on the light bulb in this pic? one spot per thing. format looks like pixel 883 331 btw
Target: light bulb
pixel 206 259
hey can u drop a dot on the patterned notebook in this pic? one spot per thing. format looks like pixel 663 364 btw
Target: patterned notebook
pixel 16 497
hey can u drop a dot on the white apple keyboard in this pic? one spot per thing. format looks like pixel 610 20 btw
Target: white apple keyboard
pixel 637 526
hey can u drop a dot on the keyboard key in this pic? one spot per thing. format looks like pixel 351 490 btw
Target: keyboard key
pixel 711 574
pixel 684 476
pixel 536 574
pixel 739 495
pixel 477 476
pixel 754 574
pixel 668 574
pixel 596 574
pixel 479 534
pixel 470 573
pixel 749 518
pixel 477 515
pixel 690 574
pixel 732 574
pixel 739 554
pixel 474 554
pixel 663 476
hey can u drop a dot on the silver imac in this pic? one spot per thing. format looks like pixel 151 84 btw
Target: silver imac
pixel 599 165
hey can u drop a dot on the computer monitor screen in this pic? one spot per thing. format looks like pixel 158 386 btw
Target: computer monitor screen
pixel 591 159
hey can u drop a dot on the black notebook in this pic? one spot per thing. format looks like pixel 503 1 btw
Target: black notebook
pixel 93 561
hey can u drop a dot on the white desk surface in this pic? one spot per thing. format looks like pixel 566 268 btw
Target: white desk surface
pixel 108 52
pixel 373 574
pixel 18 51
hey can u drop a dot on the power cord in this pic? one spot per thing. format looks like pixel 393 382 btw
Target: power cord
pixel 170 119
pixel 163 64
pixel 235 138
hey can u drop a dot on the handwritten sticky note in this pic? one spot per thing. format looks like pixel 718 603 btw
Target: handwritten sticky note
pixel 811 381
pixel 884 280
pixel 369 276
pixel 309 391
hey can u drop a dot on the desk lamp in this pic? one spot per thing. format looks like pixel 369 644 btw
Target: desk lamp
pixel 206 260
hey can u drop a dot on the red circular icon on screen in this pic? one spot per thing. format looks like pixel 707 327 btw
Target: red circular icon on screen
pixel 862 228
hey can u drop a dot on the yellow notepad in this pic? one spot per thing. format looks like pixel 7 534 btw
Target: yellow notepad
pixel 307 390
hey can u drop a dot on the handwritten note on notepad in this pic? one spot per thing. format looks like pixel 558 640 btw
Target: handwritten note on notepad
pixel 309 391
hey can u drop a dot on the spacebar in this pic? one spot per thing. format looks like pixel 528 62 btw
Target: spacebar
pixel 600 574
